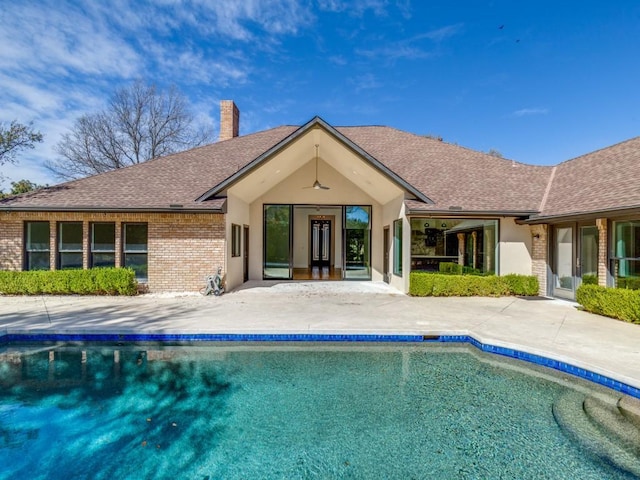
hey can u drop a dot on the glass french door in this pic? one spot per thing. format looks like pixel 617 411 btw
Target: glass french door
pixel 563 271
pixel 575 258
pixel 320 243
pixel 588 258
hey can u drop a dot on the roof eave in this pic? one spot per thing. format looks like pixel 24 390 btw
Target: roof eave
pixel 471 213
pixel 86 209
pixel 610 212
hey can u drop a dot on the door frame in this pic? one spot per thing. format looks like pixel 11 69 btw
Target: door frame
pixel 245 252
pixel 386 246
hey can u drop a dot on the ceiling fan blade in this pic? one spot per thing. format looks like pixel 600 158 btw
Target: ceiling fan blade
pixel 325 188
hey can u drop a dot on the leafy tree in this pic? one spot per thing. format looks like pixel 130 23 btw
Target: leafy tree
pixel 21 186
pixel 14 138
pixel 139 123
pixel 494 153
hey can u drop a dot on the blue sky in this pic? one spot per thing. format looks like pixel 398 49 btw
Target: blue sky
pixel 541 81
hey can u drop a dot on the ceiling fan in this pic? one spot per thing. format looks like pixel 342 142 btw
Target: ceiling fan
pixel 317 185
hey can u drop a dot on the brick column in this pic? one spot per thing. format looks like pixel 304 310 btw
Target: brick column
pixel 52 244
pixel 86 234
pixel 603 246
pixel 540 255
pixel 118 228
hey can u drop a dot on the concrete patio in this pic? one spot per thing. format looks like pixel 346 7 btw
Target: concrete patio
pixel 552 328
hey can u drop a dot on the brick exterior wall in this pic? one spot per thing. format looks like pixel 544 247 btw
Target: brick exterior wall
pixel 182 248
pixel 603 267
pixel 540 255
pixel 229 120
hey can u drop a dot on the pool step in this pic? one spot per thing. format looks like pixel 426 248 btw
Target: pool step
pixel 601 428
pixel 630 408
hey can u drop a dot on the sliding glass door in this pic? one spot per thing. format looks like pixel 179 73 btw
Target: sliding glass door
pixel 563 272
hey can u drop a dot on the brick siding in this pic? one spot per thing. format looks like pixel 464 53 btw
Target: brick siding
pixel 540 256
pixel 182 248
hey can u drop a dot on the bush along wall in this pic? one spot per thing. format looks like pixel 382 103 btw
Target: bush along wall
pixel 95 281
pixel 424 284
pixel 620 303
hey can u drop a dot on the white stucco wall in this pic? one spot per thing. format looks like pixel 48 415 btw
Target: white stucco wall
pixel 392 211
pixel 514 248
pixel 237 213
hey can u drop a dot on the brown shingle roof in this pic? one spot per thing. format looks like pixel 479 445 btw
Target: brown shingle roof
pixel 606 179
pixel 172 180
pixel 450 175
pixel 454 176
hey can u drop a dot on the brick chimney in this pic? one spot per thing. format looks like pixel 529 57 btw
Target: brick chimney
pixel 229 120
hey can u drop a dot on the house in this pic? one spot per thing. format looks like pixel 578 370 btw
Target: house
pixel 319 201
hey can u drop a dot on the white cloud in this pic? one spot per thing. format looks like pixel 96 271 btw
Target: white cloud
pixel 524 112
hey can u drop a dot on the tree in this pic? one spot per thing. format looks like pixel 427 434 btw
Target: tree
pixel 15 138
pixel 494 153
pixel 21 186
pixel 139 123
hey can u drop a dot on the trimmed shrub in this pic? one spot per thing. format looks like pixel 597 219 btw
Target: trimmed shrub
pixel 589 279
pixel 95 281
pixel 424 284
pixel 632 283
pixel 620 303
pixel 452 268
pixel 524 285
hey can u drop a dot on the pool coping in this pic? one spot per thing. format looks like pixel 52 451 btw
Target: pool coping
pixel 519 352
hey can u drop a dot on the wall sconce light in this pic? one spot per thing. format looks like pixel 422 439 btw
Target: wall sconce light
pixel 536 236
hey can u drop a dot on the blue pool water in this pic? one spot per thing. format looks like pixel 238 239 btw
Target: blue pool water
pixel 284 411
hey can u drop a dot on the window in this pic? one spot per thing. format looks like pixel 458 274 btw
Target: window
pixel 397 247
pixel 235 240
pixel 357 241
pixel 69 245
pixel 277 241
pixel 103 245
pixel 134 248
pixel 626 254
pixel 451 245
pixel 37 250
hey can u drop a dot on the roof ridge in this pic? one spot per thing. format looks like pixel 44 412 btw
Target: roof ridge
pixel 547 190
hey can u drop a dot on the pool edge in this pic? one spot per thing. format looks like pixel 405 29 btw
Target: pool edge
pixel 8 337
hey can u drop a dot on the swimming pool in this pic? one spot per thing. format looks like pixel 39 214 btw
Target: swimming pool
pixel 286 411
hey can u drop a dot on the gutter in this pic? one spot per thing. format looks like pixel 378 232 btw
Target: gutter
pixel 170 209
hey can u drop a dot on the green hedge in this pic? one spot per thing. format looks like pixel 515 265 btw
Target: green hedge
pixel 632 283
pixel 96 281
pixel 424 284
pixel 620 303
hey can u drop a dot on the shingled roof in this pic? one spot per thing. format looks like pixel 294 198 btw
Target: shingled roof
pixel 457 179
pixel 601 181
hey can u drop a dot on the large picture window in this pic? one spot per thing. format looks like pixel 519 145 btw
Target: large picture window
pixel 69 245
pixel 397 247
pixel 626 254
pixel 103 244
pixel 134 249
pixel 37 249
pixel 448 245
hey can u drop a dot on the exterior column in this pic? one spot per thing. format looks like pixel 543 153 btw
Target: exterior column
pixel 461 249
pixel 603 244
pixel 540 256
pixel 474 236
